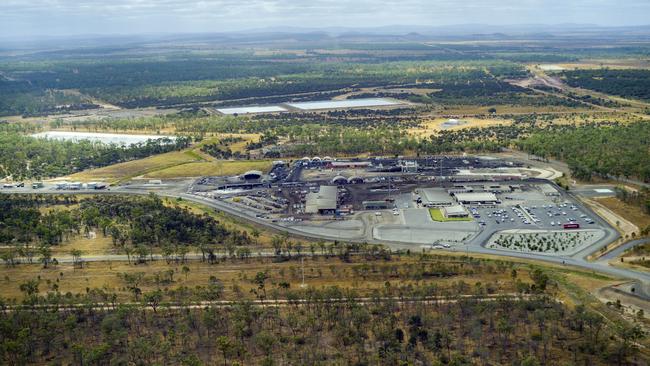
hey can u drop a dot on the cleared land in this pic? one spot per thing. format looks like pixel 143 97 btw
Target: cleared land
pixel 435 125
pixel 631 213
pixel 237 275
pixel 137 168
pixel 197 169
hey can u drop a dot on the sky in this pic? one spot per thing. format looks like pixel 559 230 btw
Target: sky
pixel 24 18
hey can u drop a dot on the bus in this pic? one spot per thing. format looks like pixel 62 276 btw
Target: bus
pixel 571 225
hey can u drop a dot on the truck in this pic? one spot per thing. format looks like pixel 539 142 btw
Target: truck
pixel 37 185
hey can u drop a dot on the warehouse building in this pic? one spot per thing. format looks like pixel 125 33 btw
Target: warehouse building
pixel 376 205
pixel 455 211
pixel 323 202
pixel 497 188
pixel 436 197
pixel 484 198
pixel 348 164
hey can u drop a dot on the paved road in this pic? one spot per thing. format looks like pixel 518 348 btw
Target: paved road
pixel 619 250
pixel 177 189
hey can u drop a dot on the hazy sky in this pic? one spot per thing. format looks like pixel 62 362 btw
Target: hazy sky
pixel 65 17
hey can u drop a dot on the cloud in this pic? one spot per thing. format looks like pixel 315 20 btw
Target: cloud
pixel 125 16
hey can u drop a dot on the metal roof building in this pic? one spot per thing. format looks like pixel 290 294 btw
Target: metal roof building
pixel 325 201
pixel 474 198
pixel 455 211
pixel 436 197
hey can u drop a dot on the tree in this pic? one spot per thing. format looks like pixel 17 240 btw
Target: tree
pixel 260 281
pixel 9 257
pixel 225 346
pixel 45 255
pixel 540 278
pixel 153 299
pixel 29 287
pixel 530 361
pixel 628 336
pixel 266 342
pixel 76 257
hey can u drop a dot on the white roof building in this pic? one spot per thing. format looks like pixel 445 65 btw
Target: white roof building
pixel 474 198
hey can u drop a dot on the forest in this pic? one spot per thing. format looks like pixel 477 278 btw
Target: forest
pixel 606 148
pixel 612 150
pixel 137 226
pixel 32 88
pixel 429 321
pixel 625 83
pixel 23 156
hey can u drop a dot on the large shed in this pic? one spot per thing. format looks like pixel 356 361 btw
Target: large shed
pixel 323 202
pixel 455 211
pixel 483 198
pixel 436 197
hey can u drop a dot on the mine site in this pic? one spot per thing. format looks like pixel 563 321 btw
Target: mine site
pixel 430 203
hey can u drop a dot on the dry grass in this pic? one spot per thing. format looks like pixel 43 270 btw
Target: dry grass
pixel 631 213
pixel 238 146
pixel 197 169
pixel 435 125
pixel 609 63
pixel 88 246
pixel 319 272
pixel 130 169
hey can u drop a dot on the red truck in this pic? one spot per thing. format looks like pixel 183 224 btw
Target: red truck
pixel 571 225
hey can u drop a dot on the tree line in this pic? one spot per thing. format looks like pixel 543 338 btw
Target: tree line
pixel 321 326
pixel 23 156
pixel 137 226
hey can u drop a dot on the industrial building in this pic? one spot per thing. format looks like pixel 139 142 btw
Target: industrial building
pixel 460 188
pixel 252 175
pixel 435 197
pixel 408 166
pixel 455 211
pixel 324 202
pixel 376 205
pixel 348 164
pixel 484 198
pixel 497 188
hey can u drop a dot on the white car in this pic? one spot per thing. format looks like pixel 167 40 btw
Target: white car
pixel 377 213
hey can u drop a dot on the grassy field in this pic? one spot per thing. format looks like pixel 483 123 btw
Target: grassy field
pixel 237 275
pixel 632 213
pixel 197 169
pixel 135 168
pixel 239 146
pixel 89 246
pixel 437 215
pixel 436 125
